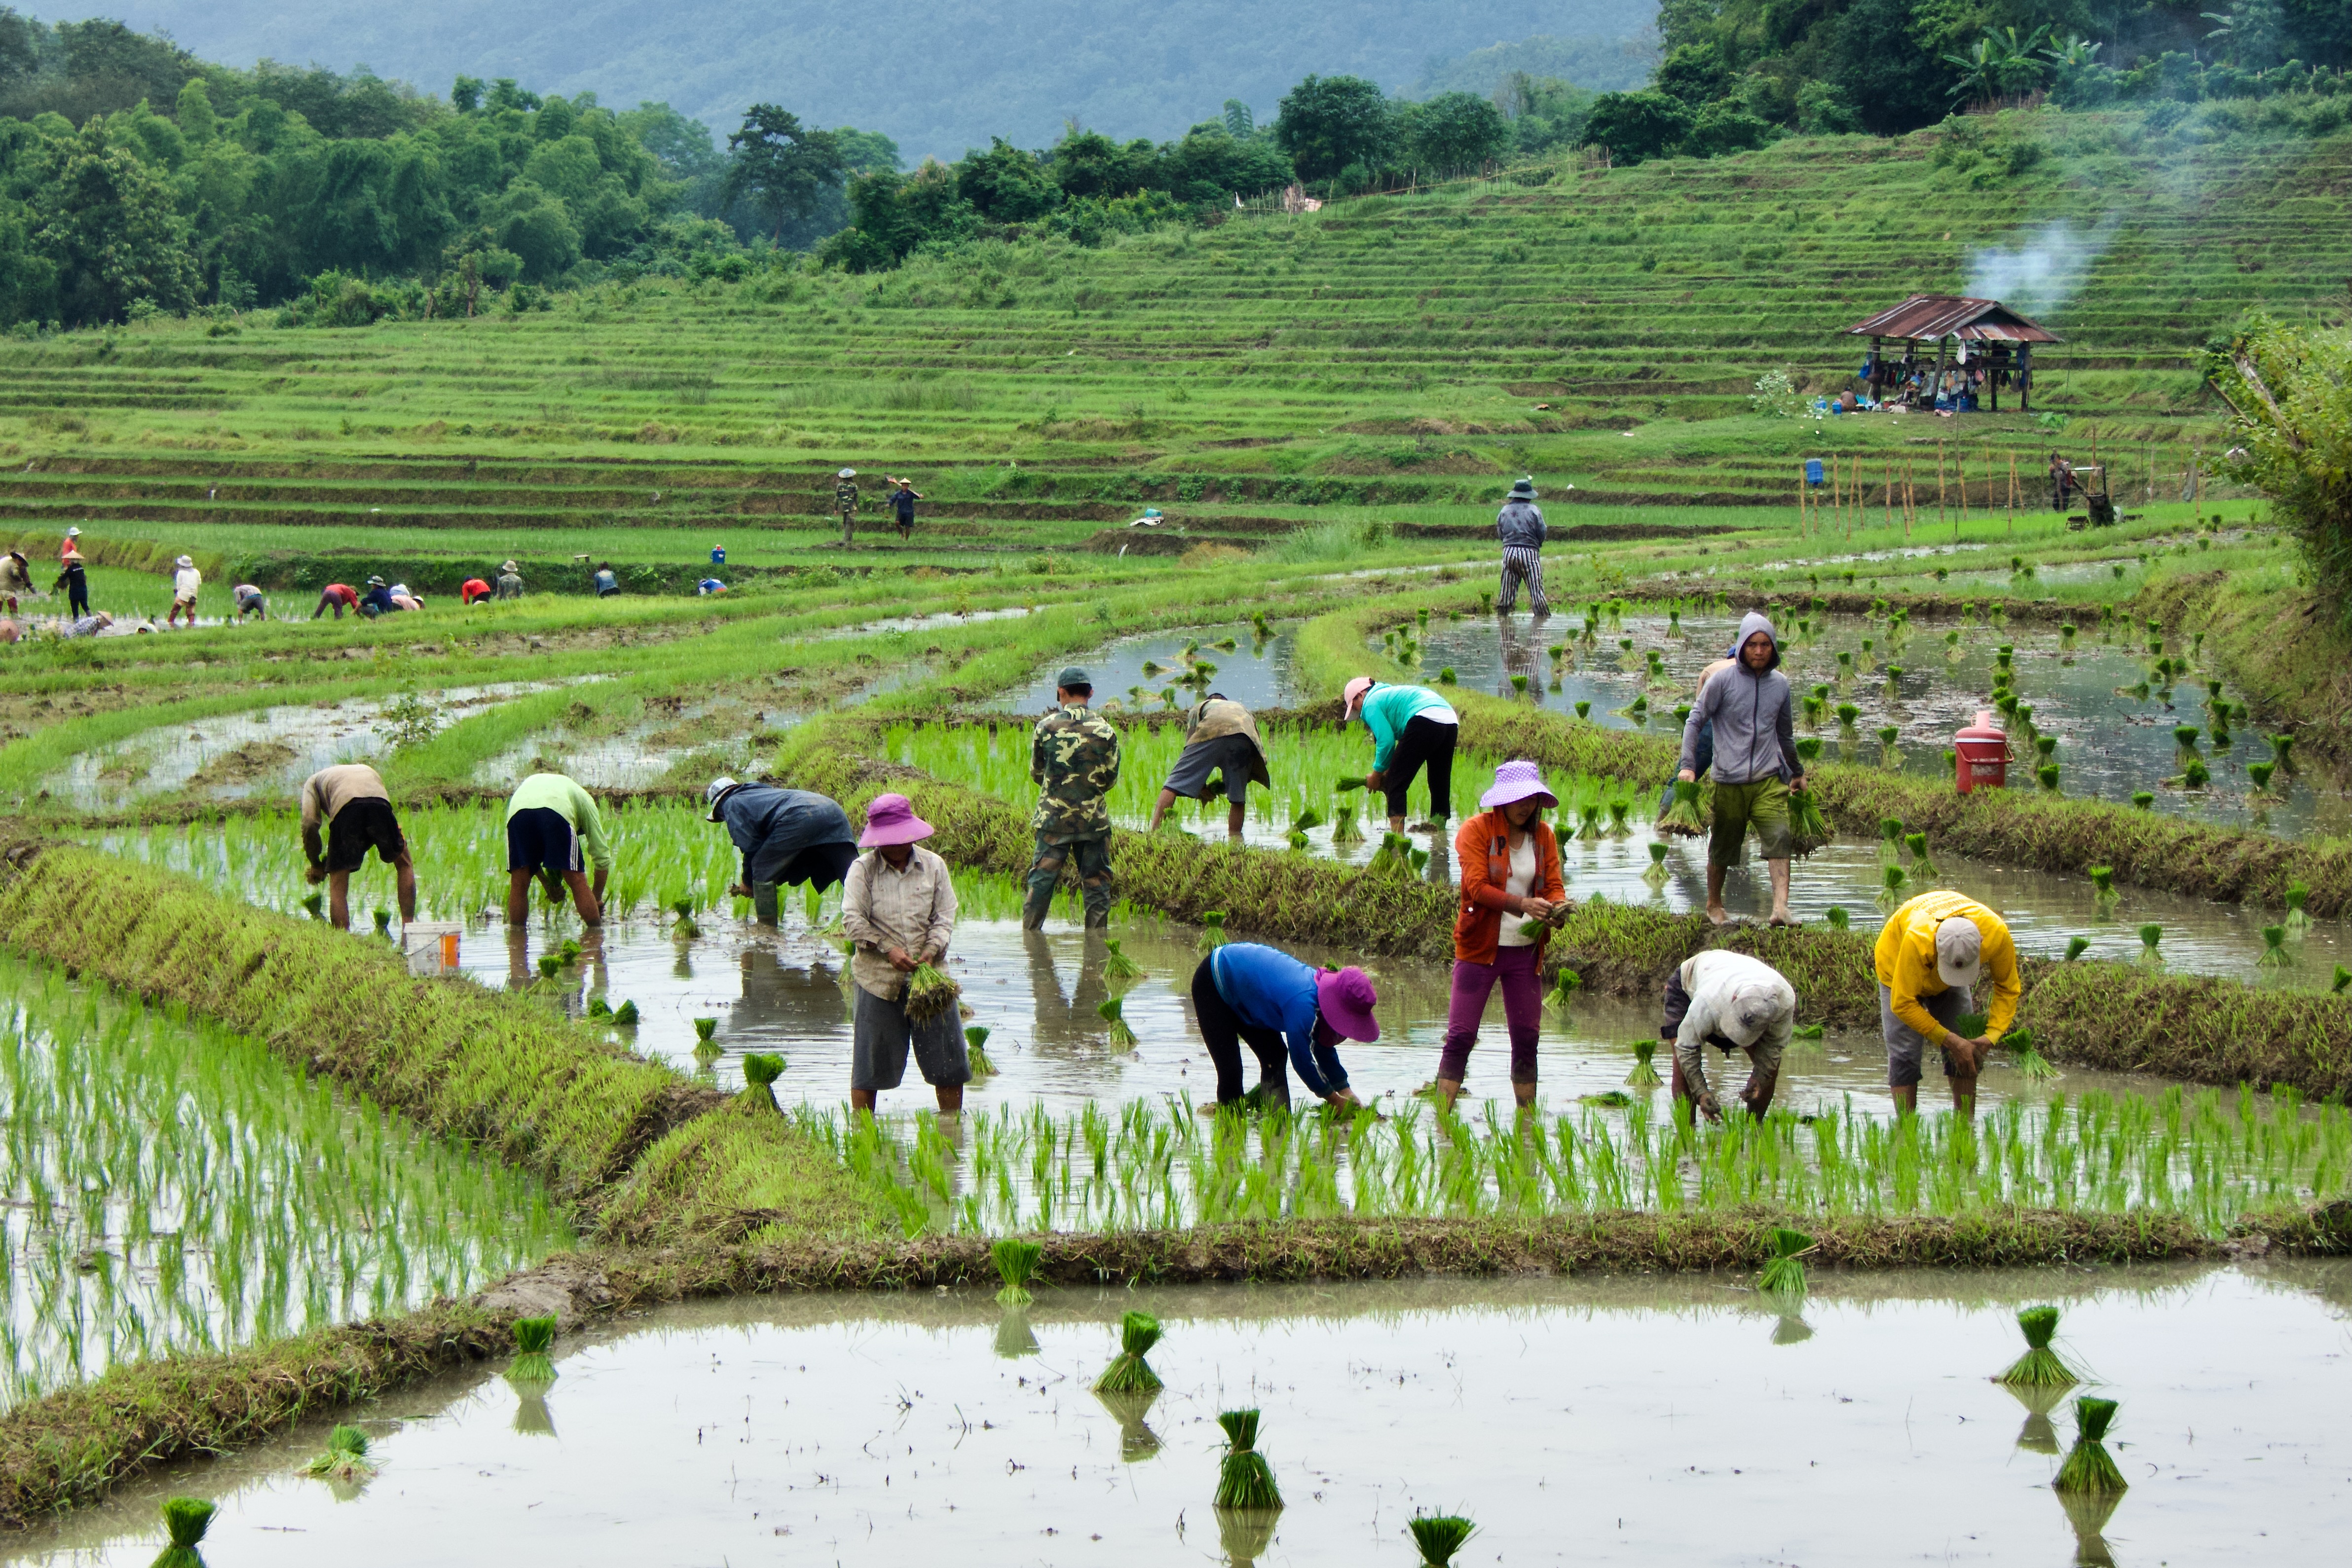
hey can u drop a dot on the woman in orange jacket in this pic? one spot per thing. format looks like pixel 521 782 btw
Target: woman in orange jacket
pixel 1510 875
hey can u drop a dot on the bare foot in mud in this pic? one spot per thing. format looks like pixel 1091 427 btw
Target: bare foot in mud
pixel 1718 914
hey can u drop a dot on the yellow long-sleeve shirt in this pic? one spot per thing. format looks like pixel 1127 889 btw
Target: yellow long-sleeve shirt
pixel 1905 958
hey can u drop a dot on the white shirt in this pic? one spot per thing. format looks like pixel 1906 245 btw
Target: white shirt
pixel 1519 884
pixel 185 581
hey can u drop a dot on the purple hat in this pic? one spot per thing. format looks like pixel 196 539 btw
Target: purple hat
pixel 1346 998
pixel 1517 781
pixel 891 819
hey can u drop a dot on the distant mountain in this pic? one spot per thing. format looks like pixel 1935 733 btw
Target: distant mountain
pixel 938 76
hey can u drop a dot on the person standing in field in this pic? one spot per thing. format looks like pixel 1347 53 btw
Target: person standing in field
pixel 1731 1002
pixel 1074 760
pixel 898 907
pixel 1756 762
pixel 338 597
pixel 69 547
pixel 902 502
pixel 350 805
pixel 249 602
pixel 74 583
pixel 473 591
pixel 553 823
pixel 1290 1015
pixel 1703 756
pixel 185 581
pixel 510 580
pixel 786 836
pixel 1929 957
pixel 845 501
pixel 1220 738
pixel 1510 877
pixel 1520 527
pixel 1412 728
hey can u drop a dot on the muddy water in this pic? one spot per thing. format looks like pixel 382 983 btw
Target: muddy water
pixel 1683 1420
pixel 1038 994
pixel 1257 672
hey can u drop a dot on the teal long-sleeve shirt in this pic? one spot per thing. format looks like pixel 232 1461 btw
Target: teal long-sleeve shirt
pixel 1389 708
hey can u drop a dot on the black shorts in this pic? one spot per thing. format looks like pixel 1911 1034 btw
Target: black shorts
pixel 541 837
pixel 360 825
pixel 1234 753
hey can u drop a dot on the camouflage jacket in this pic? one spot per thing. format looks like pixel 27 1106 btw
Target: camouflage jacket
pixel 845 496
pixel 1074 758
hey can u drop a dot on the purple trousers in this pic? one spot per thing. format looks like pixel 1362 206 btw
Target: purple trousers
pixel 1522 1010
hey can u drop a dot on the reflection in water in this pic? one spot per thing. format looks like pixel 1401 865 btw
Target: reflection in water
pixel 1070 1022
pixel 1246 1534
pixel 2037 1435
pixel 2088 1512
pixel 1137 1440
pixel 1014 1337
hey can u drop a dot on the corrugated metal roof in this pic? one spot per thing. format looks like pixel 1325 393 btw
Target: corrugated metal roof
pixel 1927 317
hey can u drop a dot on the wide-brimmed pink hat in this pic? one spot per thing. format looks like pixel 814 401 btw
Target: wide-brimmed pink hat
pixel 1345 997
pixel 891 819
pixel 1351 697
pixel 1517 781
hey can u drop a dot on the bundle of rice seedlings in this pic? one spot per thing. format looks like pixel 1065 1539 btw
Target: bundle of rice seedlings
pixel 625 1014
pixel 1129 1372
pixel 2343 978
pixel 1244 1479
pixel 2184 737
pixel 1894 675
pixel 760 1071
pixel 975 1051
pixel 1348 783
pixel 813 896
pixel 1297 839
pixel 1310 818
pixel 599 1009
pixel 1519 684
pixel 2103 887
pixel 382 921
pixel 2076 946
pixel 1593 814
pixel 317 904
pixel 1644 1075
pixel 1890 841
pixel 345 1458
pixel 1445 676
pixel 1620 819
pixel 1121 1036
pixel 2259 774
pixel 1583 707
pixel 2298 924
pixel 1784 1271
pixel 2149 935
pixel 1846 715
pixel 2275 952
pixel 2283 751
pixel 570 951
pixel 1922 868
pixel 1212 927
pixel 1564 987
pixel 2046 775
pixel 1839 920
pixel 1224 645
pixel 2039 1367
pixel 1656 874
pixel 1845 665
pixel 1440 1536
pixel 1808 829
pixel 2143 800
pixel 2089 1467
pixel 1392 858
pixel 1682 818
pixel 705 1027
pixel 1344 826
pixel 185 1520
pixel 1890 896
pixel 1015 1258
pixel 930 994
pixel 2029 1062
pixel 685 927
pixel 531 1337
pixel 548 964
pixel 1116 965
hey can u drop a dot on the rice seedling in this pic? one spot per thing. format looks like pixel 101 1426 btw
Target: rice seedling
pixel 1393 859
pixel 2076 946
pixel 1348 783
pixel 548 965
pixel 1638 710
pixel 2274 953
pixel 1644 1074
pixel 382 920
pixel 346 1458
pixel 760 1071
pixel 1837 917
pixel 2259 775
pixel 1620 818
pixel 930 993
pixel 1244 1480
pixel 1847 713
pixel 1583 707
pixel 1213 925
pixel 2297 922
pixel 2143 800
pixel 316 905
pixel 1129 1372
pixel 1015 1258
pixel 683 926
pixel 1923 870
pixel 1784 1271
pixel 1890 841
pixel 1439 1536
pixel 1122 1037
pixel 2149 935
pixel 2194 777
pixel 2046 777
pixel 975 1051
pixel 2102 889
pixel 2185 737
pixel 1445 676
pixel 185 1520
pixel 1655 874
pixel 625 1014
pixel 1894 890
pixel 2343 978
pixel 1682 818
pixel 2088 1467
pixel 1845 666
pixel 531 1364
pixel 2027 1061
pixel 704 1028
pixel 2283 752
pixel 1564 984
pixel 1519 685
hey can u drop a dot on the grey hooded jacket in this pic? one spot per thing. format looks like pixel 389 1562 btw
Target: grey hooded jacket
pixel 1520 525
pixel 1754 732
pixel 770 825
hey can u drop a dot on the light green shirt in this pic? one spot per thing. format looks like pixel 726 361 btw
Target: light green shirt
pixel 556 793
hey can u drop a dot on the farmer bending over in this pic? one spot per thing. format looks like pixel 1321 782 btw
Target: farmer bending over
pixel 351 801
pixel 1510 875
pixel 16 578
pixel 473 591
pixel 1756 762
pixel 1073 759
pixel 785 835
pixel 1412 727
pixel 1245 991
pixel 1929 957
pixel 338 597
pixel 899 909
pixel 550 820
pixel 249 602
pixel 1731 1002
pixel 1219 737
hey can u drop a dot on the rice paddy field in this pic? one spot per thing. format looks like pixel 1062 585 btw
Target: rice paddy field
pixel 264 1180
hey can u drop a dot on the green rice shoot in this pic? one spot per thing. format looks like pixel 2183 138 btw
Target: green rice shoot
pixel 532 1336
pixel 2088 1467
pixel 1122 1034
pixel 1682 818
pixel 1116 965
pixel 185 1520
pixel 1440 1536
pixel 977 1060
pixel 1644 1075
pixel 1244 1480
pixel 930 993
pixel 2040 1367
pixel 345 1458
pixel 1784 1271
pixel 760 1071
pixel 1129 1372
pixel 1015 1258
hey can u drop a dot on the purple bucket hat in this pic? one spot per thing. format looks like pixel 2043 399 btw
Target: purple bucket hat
pixel 1345 997
pixel 891 819
pixel 1517 781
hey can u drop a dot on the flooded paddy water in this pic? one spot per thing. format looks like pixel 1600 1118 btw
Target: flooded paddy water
pixel 1684 1419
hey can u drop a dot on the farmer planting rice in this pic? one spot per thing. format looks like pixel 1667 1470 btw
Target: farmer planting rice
pixel 1755 763
pixel 350 805
pixel 786 836
pixel 899 909
pixel 15 578
pixel 1245 992
pixel 1412 728
pixel 338 597
pixel 472 591
pixel 1929 957
pixel 1510 880
pixel 1221 739
pixel 1732 1001
pixel 1074 761
pixel 551 821
pixel 250 602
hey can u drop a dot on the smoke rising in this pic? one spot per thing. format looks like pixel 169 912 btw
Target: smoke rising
pixel 2037 272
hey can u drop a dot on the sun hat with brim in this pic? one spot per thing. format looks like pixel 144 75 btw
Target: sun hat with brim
pixel 375 582
pixel 510 566
pixel 1346 998
pixel 1959 953
pixel 184 560
pixel 1517 781
pixel 1523 490
pixel 73 533
pixel 891 819
pixel 721 788
pixel 1351 697
pixel 849 473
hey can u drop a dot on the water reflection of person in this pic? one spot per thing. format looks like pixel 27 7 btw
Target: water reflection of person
pixel 1073 1021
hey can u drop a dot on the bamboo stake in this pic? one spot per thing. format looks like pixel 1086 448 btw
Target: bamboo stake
pixel 1886 499
pixel 1961 464
pixel 1910 501
pixel 2013 495
pixel 2196 482
pixel 1939 485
